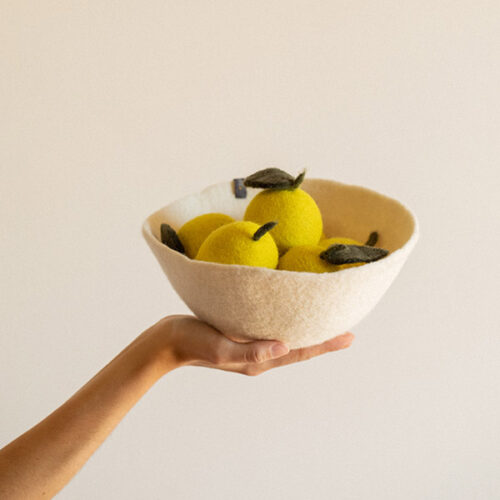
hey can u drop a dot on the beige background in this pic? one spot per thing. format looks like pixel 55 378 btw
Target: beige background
pixel 110 110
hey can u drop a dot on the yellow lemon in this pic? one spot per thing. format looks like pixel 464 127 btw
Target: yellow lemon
pixel 241 242
pixel 306 258
pixel 299 217
pixel 318 259
pixel 194 232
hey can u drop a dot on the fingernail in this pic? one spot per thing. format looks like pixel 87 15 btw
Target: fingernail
pixel 278 350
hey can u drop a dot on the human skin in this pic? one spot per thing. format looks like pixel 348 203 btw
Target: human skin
pixel 40 462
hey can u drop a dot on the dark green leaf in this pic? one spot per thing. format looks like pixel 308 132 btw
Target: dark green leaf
pixel 273 178
pixel 350 254
pixel 169 237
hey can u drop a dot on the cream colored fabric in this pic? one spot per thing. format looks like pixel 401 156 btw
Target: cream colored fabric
pixel 299 309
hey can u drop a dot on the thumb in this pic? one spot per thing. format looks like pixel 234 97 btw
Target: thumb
pixel 256 352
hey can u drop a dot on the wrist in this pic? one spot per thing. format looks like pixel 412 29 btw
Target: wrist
pixel 162 346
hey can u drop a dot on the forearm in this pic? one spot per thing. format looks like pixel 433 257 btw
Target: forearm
pixel 42 460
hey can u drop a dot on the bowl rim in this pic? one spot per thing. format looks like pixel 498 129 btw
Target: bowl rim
pixel 407 246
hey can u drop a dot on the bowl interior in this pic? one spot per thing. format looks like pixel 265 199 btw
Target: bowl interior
pixel 347 210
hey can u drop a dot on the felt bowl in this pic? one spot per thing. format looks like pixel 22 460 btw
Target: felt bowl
pixel 298 308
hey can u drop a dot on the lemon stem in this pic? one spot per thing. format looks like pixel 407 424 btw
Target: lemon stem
pixel 263 230
pixel 298 181
pixel 372 239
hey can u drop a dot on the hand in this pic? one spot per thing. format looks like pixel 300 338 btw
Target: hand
pixel 193 342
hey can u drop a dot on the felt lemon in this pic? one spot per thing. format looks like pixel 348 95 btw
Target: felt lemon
pixel 305 258
pixel 282 200
pixel 241 242
pixel 315 259
pixel 193 233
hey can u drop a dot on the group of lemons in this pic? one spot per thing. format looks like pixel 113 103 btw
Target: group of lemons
pixel 282 229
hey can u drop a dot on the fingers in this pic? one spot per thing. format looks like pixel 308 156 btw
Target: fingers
pixel 337 343
pixel 251 352
pixel 199 342
pixel 340 342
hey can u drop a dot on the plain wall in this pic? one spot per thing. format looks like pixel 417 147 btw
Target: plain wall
pixel 110 110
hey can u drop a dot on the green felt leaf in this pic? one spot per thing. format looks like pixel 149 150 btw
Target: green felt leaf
pixel 169 237
pixel 273 178
pixel 349 254
pixel 263 230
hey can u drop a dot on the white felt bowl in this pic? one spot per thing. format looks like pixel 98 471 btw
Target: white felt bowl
pixel 298 308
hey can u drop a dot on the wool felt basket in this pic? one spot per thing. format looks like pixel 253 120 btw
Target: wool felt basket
pixel 298 308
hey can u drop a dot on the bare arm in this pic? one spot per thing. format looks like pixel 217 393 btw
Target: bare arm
pixel 42 460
